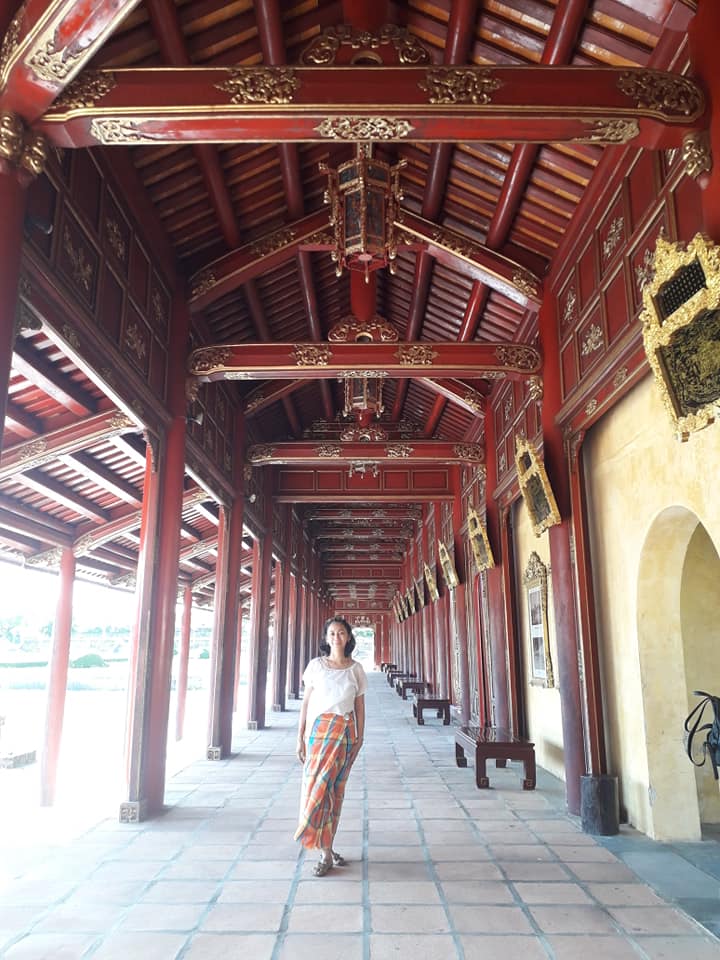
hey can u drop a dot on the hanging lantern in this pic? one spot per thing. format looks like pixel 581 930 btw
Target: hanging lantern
pixel 364 197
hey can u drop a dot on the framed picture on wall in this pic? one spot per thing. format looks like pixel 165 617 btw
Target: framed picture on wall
pixel 535 487
pixel 420 592
pixel 410 598
pixel 535 580
pixel 431 583
pixel 479 542
pixel 448 568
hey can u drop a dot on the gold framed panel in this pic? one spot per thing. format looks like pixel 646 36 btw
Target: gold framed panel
pixel 535 487
pixel 535 580
pixel 448 568
pixel 681 330
pixel 420 593
pixel 410 597
pixel 479 543
pixel 431 583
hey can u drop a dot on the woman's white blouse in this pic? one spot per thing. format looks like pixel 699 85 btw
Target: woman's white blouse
pixel 332 691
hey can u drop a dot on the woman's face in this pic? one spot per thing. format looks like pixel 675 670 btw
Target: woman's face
pixel 337 636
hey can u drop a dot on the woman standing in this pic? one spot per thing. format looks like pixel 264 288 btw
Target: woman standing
pixel 330 734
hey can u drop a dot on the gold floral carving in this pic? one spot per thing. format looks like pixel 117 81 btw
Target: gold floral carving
pixel 518 356
pixel 115 238
pixel 260 85
pixel 81 270
pixel 472 452
pixel 323 49
pixel 416 355
pixel 32 451
pixel 696 153
pixel 370 374
pixel 34 154
pixel 209 359
pixel 610 131
pixel 569 310
pixel 398 450
pixel 620 377
pixel 614 236
pixel 261 453
pixel 86 89
pixel 351 330
pixel 328 450
pixel 273 242
pixel 525 283
pixel 48 558
pixel 321 238
pixel 459 85
pixel 590 407
pixel 592 341
pixel 455 243
pixel 120 422
pixel 70 337
pixel 474 400
pixel 667 95
pixel 25 319
pixel 12 133
pixel 111 131
pixel 192 389
pixel 536 389
pixel 364 128
pixel 309 355
pixel 50 64
pixel 202 282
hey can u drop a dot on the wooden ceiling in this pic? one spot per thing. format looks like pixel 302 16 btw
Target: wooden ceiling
pixel 211 199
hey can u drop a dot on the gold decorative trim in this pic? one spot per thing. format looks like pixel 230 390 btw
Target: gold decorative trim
pixel 460 85
pixel 85 91
pixel 254 402
pixel 592 341
pixel 260 85
pixel 519 357
pixel 681 330
pixel 33 451
pixel 134 342
pixel 697 153
pixel 12 132
pixel 645 271
pixel 535 579
pixel 667 95
pixel 474 400
pixel 351 330
pixel 260 453
pixel 590 407
pixel 115 239
pixel 472 452
pixel 620 378
pixel 273 242
pixel 536 389
pixel 309 355
pixel 209 359
pixel 70 337
pixel 416 355
pixel 48 558
pixel 569 310
pixel 50 64
pixel 369 374
pixel 10 42
pixel 364 128
pixel 609 131
pixel 535 487
pixel 479 543
pixel 614 237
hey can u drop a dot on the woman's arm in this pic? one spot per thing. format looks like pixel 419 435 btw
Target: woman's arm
pixel 359 726
pixel 300 749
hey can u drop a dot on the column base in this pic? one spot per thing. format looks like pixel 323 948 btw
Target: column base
pixel 277 708
pixel 252 725
pixel 214 753
pixel 132 811
pixel 599 808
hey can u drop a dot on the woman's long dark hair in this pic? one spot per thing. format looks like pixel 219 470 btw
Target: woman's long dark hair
pixel 349 646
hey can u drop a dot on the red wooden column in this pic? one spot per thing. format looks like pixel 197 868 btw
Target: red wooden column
pixel 293 664
pixel 12 204
pixel 704 30
pixel 282 605
pixel 259 636
pixel 566 623
pixel 458 599
pixel 183 663
pixel 428 620
pixel 496 608
pixel 57 681
pixel 439 617
pixel 238 651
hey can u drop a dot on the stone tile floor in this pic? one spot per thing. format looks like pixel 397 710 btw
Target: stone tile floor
pixel 437 869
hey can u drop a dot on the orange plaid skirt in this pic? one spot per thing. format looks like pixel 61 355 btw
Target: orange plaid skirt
pixel 324 777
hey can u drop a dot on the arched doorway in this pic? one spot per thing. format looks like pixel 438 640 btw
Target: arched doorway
pixel 678 618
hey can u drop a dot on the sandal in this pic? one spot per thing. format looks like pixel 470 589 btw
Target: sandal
pixel 322 867
pixel 338 860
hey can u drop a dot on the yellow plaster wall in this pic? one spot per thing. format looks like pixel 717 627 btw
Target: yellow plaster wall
pixel 543 703
pixel 646 494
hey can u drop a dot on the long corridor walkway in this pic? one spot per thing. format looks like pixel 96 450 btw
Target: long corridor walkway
pixel 437 869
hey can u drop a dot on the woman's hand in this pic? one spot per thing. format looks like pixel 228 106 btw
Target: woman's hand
pixel 300 750
pixel 355 750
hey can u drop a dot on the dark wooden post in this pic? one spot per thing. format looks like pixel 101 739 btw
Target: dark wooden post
pixel 257 681
pixel 57 681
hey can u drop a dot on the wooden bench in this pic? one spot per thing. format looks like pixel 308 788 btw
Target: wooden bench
pixel 494 743
pixel 431 703
pixel 394 675
pixel 385 666
pixel 416 686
